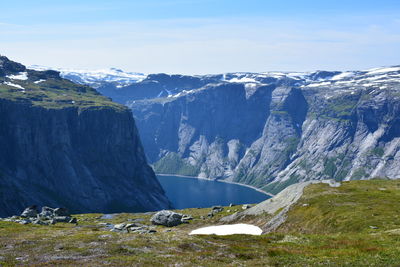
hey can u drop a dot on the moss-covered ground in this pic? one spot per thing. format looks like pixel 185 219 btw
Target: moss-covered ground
pixel 54 94
pixel 357 224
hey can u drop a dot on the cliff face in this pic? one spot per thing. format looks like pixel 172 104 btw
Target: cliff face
pixel 64 145
pixel 272 130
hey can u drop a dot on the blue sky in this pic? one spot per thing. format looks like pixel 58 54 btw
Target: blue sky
pixel 202 36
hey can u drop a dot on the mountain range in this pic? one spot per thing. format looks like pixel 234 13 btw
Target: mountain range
pixel 268 129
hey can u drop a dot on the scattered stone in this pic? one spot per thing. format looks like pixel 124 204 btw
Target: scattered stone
pixel 30 212
pixel 73 220
pixel 119 227
pixel 167 218
pixel 373 227
pixel 305 205
pixel 217 209
pixel 246 206
pixel 382 189
pixel 130 225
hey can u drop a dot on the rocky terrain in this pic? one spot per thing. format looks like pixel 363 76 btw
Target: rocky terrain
pixel 269 129
pixel 354 223
pixel 65 145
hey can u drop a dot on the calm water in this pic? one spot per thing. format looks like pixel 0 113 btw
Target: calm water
pixel 196 193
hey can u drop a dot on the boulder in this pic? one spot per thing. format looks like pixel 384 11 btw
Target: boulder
pixel 167 218
pixel 61 212
pixel 30 212
pixel 246 206
pixel 47 212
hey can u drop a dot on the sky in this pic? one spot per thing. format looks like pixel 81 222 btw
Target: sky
pixel 202 36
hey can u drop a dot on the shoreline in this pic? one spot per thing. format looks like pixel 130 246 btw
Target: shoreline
pixel 222 181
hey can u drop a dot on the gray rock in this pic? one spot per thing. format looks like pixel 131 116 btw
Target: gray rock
pixel 296 128
pixel 119 227
pixel 30 212
pixel 216 209
pixel 47 212
pixel 246 206
pixel 61 212
pixel 187 218
pixel 25 221
pixel 167 218
pixel 73 220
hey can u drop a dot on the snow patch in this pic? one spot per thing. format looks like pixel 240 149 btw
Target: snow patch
pixel 96 77
pixel 232 229
pixel 382 70
pixel 23 76
pixel 15 85
pixel 342 76
pixel 36 82
pixel 243 80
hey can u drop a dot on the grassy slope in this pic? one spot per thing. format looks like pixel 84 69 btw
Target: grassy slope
pixel 55 94
pixel 332 230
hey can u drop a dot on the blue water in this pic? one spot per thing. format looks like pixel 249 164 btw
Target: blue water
pixel 196 193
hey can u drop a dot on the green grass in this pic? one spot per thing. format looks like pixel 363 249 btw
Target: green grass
pixel 353 207
pixel 56 94
pixel 333 230
pixel 174 164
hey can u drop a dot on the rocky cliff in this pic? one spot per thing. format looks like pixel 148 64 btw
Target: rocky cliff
pixel 270 129
pixel 63 144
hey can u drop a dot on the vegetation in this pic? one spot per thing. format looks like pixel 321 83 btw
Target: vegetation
pixel 357 224
pixel 55 93
pixel 172 163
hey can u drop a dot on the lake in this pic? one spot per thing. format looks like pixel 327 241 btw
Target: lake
pixel 199 193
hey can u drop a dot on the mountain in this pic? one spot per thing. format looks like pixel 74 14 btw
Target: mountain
pixel 64 144
pixel 270 129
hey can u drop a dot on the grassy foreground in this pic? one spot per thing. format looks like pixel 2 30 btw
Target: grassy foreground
pixel 357 224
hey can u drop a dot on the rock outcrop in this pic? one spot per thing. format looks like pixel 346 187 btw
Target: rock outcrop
pixel 270 130
pixel 63 144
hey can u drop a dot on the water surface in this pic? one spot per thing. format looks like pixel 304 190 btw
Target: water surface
pixel 197 193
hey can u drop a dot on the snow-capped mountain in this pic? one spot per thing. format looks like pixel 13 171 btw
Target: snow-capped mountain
pixel 97 78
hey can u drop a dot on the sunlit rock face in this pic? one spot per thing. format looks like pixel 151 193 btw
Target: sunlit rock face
pixel 270 129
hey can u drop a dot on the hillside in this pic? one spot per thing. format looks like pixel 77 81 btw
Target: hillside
pixel 355 224
pixel 64 144
pixel 269 129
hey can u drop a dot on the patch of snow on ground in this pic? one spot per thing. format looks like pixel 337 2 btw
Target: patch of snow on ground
pixel 243 80
pixel 319 84
pixel 39 81
pixel 383 70
pixel 232 229
pixel 15 85
pixel 23 76
pixel 342 76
